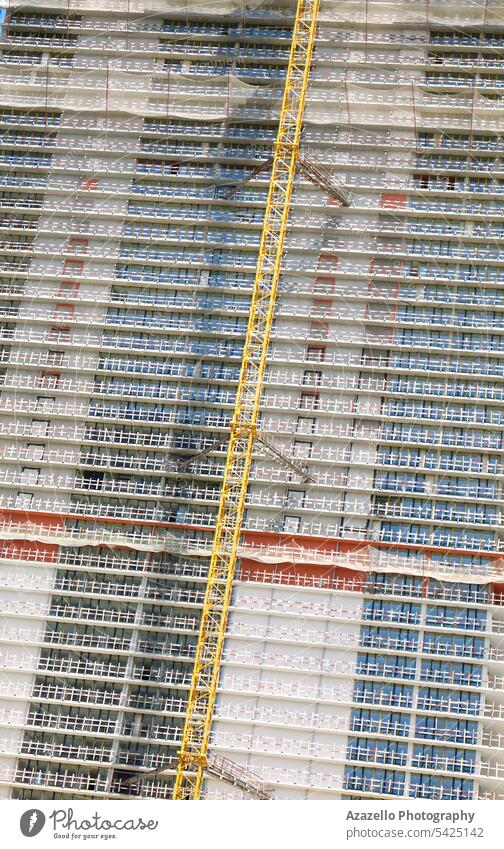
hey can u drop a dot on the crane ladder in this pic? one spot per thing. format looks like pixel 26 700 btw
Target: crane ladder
pixel 194 747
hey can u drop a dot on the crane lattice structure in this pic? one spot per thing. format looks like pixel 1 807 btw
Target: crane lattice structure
pixel 193 754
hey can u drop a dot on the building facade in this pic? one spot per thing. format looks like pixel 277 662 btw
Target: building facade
pixel 364 655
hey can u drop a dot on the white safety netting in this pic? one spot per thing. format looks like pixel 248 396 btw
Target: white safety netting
pixel 375 12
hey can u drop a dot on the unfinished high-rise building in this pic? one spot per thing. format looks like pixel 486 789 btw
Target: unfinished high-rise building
pixel 364 651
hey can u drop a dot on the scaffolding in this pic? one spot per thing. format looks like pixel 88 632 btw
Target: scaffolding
pixel 313 170
pixel 223 769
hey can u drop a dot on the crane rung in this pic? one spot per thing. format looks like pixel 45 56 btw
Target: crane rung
pixel 231 190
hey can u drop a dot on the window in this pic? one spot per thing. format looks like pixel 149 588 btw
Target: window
pixel 325 284
pixel 315 353
pixel 305 425
pixel 463 538
pixel 49 380
pixel 449 672
pixel 73 266
pixel 77 245
pixel 400 481
pixel 309 401
pixel 371 692
pixel 63 312
pixel 312 378
pixel 328 260
pixel 401 585
pixel 390 200
pixel 69 289
pixel 364 779
pixel 386 666
pixel 482 514
pixel 55 358
pixel 453 701
pixel 382 751
pixel 34 451
pixel 295 499
pixel 380 722
pixel 45 405
pixel 470 619
pixel 382 610
pixel 59 333
pixel 90 184
pixel 439 787
pixel 401 639
pixel 302 449
pixel 453 644
pixel 319 329
pixel 451 730
pixel 399 456
pixel 412 534
pixel 322 306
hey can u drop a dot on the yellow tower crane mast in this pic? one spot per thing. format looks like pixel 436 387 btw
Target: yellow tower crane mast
pixel 193 754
